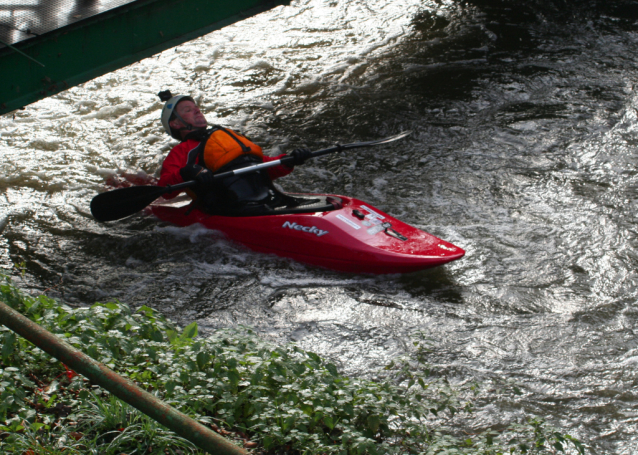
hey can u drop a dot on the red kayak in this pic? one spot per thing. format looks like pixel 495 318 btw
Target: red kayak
pixel 335 232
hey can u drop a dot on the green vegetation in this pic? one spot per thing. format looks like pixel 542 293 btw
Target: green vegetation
pixel 271 399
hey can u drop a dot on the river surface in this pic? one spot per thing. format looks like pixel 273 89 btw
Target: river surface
pixel 524 153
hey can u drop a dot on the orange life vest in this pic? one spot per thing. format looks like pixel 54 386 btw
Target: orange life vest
pixel 224 145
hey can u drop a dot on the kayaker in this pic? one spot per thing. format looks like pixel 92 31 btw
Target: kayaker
pixel 204 150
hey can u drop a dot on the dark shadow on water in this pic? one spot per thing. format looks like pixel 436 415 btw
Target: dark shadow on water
pixel 436 283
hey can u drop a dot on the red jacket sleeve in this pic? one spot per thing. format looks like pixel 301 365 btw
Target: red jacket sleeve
pixel 277 171
pixel 176 159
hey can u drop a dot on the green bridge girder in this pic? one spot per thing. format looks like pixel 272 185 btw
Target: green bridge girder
pixel 42 66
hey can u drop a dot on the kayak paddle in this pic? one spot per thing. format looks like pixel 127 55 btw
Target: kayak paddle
pixel 123 202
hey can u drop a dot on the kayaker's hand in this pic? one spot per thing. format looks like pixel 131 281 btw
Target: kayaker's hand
pixel 300 155
pixel 201 175
pixel 189 173
pixel 205 178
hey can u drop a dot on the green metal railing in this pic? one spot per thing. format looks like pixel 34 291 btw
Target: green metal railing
pixel 122 388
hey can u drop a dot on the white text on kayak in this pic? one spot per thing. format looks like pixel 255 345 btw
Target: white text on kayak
pixel 308 229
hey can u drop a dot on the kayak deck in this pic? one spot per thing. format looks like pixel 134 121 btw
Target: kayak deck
pixel 353 238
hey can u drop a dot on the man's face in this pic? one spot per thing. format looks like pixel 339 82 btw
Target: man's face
pixel 191 114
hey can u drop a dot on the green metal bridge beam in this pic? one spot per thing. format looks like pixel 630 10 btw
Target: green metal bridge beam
pixel 50 63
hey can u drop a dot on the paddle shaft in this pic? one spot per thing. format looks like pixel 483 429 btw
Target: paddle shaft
pixel 286 161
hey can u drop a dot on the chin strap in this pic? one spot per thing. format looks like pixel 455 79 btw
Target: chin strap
pixel 188 126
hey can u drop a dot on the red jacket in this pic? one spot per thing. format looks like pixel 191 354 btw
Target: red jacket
pixel 178 157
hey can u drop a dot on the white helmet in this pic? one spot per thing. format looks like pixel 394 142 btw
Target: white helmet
pixel 169 113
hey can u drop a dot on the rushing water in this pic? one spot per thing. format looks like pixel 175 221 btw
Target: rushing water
pixel 525 120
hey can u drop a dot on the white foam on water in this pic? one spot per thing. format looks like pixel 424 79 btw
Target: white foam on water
pixel 219 268
pixel 529 125
pixel 102 171
pixel 194 233
pixel 276 281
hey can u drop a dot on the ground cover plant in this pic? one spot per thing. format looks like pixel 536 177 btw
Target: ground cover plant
pixel 270 399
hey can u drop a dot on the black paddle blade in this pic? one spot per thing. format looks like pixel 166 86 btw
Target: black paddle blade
pixel 123 202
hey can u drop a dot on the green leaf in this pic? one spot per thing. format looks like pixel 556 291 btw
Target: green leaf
pixel 152 352
pixel 171 335
pixel 147 311
pixel 233 377
pixel 190 331
pixel 93 352
pixel 373 423
pixel 329 422
pixel 332 369
pixel 156 335
pixel 8 344
pixel 170 386
pixel 348 408
pixel 52 400
pixel 203 358
pixel 314 356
